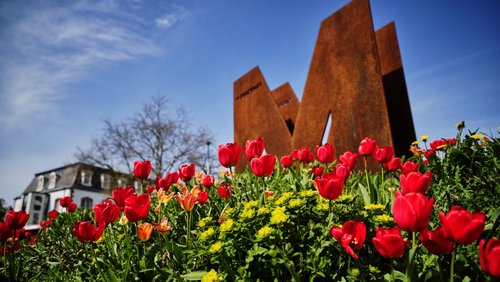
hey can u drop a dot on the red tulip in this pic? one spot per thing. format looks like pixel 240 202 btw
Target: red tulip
pixel 4 231
pixel 325 154
pixel 120 194
pixel 462 226
pixel 389 242
pixel 254 148
pixel 16 219
pixel 225 190
pixel 349 159
pixel 451 141
pixel 489 256
pixel 229 154
pixel 342 171
pixel 393 165
pixel 408 167
pixel 142 169
pixel 367 147
pixel 106 212
pixel 415 182
pixel 384 154
pixel 65 201
pixel 207 181
pixel 53 214
pixel 303 154
pixel 137 207
pixel 202 197
pixel 435 242
pixel 169 179
pixel 351 236
pixel 412 211
pixel 187 199
pixel 317 170
pixel 71 207
pixel 263 166
pixel 186 172
pixel 287 161
pixel 86 231
pixel 329 186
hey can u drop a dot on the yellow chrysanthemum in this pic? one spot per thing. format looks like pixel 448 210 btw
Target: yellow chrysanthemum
pixel 307 193
pixel 355 272
pixel 283 198
pixel 249 205
pixel 229 211
pixel 247 213
pixel 424 137
pixel 278 216
pixel 211 276
pixel 216 247
pixel 227 225
pixel 322 206
pixel 345 198
pixel 477 136
pixel 262 211
pixel 384 218
pixel 204 221
pixel 295 203
pixel 374 207
pixel 264 232
pixel 206 234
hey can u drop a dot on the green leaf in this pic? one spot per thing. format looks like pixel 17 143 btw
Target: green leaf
pixel 194 275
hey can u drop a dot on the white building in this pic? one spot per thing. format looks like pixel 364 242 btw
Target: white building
pixel 86 184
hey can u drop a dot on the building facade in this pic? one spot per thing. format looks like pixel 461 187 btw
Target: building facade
pixel 86 184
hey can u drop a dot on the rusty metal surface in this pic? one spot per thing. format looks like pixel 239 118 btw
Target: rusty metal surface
pixel 257 115
pixel 396 93
pixel 287 103
pixel 344 79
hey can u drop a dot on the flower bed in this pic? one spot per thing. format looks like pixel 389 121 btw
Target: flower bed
pixel 432 217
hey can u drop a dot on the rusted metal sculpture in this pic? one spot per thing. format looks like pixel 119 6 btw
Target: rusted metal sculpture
pixel 355 76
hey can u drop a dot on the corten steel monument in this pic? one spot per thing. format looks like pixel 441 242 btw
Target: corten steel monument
pixel 355 78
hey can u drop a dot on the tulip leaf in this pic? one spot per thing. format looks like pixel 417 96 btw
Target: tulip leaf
pixel 364 194
pixel 194 275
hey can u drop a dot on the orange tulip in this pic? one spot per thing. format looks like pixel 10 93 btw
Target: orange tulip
pixel 163 226
pixel 187 199
pixel 144 231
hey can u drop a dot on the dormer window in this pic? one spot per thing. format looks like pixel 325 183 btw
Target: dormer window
pixel 40 183
pixel 52 180
pixel 105 181
pixel 87 178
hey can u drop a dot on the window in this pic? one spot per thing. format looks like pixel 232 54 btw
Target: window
pixel 38 198
pixel 87 178
pixel 40 180
pixel 36 218
pixel 52 180
pixel 86 203
pixel 37 207
pixel 105 181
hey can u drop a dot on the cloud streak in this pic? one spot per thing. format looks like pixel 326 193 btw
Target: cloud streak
pixel 51 47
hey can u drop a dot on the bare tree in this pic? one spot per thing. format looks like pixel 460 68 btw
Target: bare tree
pixel 154 134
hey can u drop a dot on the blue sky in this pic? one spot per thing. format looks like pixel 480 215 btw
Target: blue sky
pixel 67 65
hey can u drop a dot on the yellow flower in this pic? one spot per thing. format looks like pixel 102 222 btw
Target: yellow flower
pixel 264 232
pixel 477 136
pixel 460 125
pixel 322 206
pixel 227 225
pixel 424 137
pixel 250 204
pixel 345 198
pixel 355 272
pixel 295 203
pixel 414 143
pixel 374 207
pixel 207 233
pixel 282 199
pixel 247 213
pixel 216 247
pixel 262 211
pixel 211 276
pixel 204 221
pixel 229 211
pixel 384 218
pixel 278 216
pixel 123 220
pixel 307 193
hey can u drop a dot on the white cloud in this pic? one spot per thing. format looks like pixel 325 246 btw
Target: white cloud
pixel 50 47
pixel 169 19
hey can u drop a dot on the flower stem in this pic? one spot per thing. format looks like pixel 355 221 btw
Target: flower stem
pixel 367 180
pixel 452 271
